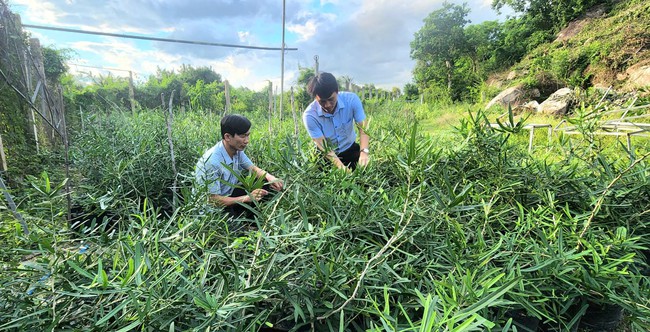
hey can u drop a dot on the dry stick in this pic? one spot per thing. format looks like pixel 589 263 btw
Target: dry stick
pixel 378 255
pixel 602 196
pixel 170 119
pixel 12 206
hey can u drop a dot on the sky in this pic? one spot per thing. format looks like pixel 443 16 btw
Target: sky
pixel 367 40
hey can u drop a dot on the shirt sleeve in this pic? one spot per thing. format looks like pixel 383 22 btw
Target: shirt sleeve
pixel 313 127
pixel 245 162
pixel 357 108
pixel 209 178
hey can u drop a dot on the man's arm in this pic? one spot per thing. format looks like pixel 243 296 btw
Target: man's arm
pixel 330 155
pixel 274 182
pixel 364 143
pixel 228 201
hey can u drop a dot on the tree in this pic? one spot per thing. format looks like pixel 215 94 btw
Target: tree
pixel 345 83
pixel 54 63
pixel 439 43
pixel 411 92
pixel 549 15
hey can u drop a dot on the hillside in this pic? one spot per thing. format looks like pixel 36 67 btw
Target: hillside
pixel 605 47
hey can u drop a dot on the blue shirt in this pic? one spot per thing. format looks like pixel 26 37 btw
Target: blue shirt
pixel 337 128
pixel 211 173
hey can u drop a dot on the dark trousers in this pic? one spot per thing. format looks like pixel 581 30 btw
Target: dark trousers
pixel 240 209
pixel 350 157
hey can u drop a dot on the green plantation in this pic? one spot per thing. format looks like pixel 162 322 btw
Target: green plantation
pixel 467 231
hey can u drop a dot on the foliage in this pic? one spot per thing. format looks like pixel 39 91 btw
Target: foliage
pixel 54 63
pixel 546 15
pixel 432 236
pixel 438 45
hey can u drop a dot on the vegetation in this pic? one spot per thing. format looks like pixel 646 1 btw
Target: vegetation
pixel 454 226
pixel 439 237
pixel 456 66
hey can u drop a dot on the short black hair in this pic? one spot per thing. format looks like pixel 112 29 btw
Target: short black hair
pixel 322 85
pixel 234 124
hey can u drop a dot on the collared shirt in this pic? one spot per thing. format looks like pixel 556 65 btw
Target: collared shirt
pixel 211 171
pixel 337 128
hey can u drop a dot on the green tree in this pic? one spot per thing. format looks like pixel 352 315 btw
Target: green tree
pixel 411 92
pixel 549 15
pixel 54 63
pixel 439 44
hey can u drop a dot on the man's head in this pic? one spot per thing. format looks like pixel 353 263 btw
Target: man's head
pixel 235 130
pixel 324 88
pixel 234 124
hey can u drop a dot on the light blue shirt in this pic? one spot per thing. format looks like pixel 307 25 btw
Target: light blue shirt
pixel 337 128
pixel 211 173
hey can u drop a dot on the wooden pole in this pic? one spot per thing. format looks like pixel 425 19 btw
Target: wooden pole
pixel 12 206
pixel 81 117
pixel 293 111
pixel 66 146
pixel 227 92
pixel 270 106
pixel 35 46
pixel 131 92
pixel 3 159
pixel 170 119
pixel 284 9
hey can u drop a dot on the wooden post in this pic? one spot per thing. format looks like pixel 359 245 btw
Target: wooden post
pixel 284 9
pixel 81 117
pixel 293 111
pixel 275 101
pixel 63 130
pixel 12 206
pixel 228 107
pixel 270 106
pixel 37 54
pixel 315 65
pixel 131 92
pixel 169 119
pixel 3 159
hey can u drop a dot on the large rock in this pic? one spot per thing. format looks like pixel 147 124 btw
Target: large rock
pixel 638 76
pixel 513 96
pixel 558 103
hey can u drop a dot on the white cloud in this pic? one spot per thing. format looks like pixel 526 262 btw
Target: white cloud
pixel 305 30
pixel 243 36
pixel 368 40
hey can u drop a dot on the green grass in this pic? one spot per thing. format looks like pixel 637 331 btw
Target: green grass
pixel 443 233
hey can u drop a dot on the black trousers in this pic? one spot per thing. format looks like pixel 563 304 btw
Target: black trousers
pixel 239 209
pixel 350 157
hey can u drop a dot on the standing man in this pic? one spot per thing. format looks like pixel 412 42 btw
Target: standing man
pixel 330 120
pixel 218 168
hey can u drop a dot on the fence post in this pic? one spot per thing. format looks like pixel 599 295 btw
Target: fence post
pixel 227 92
pixel 3 159
pixel 37 56
pixel 270 106
pixel 131 92
pixel 12 206
pixel 170 119
pixel 293 111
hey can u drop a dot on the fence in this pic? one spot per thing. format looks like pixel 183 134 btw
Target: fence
pixel 31 108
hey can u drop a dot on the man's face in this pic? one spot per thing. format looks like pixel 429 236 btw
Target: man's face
pixel 237 142
pixel 328 104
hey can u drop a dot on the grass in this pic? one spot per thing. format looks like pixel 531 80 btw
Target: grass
pixel 429 237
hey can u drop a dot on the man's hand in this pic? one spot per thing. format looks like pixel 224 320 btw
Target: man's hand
pixel 275 183
pixel 256 195
pixel 363 159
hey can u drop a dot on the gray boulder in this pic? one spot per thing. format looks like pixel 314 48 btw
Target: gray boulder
pixel 558 103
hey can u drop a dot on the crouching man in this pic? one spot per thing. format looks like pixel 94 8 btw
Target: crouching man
pixel 217 170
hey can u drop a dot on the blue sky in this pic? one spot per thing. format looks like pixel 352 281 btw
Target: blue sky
pixel 367 40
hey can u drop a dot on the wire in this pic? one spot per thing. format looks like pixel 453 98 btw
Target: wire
pixel 157 39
